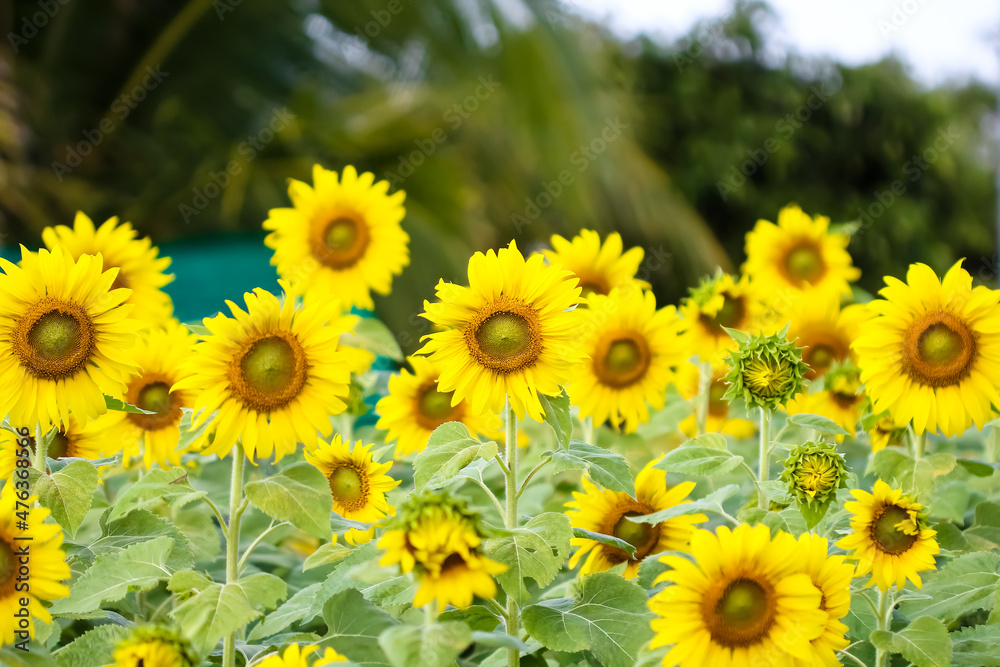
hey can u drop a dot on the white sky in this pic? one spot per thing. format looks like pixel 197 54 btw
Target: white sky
pixel 940 39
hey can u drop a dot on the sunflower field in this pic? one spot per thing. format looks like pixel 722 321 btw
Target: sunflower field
pixel 779 470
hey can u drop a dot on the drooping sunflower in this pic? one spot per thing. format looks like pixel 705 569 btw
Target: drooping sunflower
pixel 436 537
pixel 508 334
pixel 414 407
pixel 932 354
pixel 745 600
pixel 65 337
pixel 841 399
pixel 632 348
pixel 150 646
pixel 295 657
pixel 141 267
pixel 358 483
pixel 891 539
pixel 798 254
pixel 885 431
pixel 603 511
pixel 719 420
pixel 832 576
pixel 274 374
pixel 824 330
pixel 342 238
pixel 717 304
pixel 48 563
pixel 162 352
pixel 599 268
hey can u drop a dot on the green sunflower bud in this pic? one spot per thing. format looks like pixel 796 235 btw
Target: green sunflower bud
pixel 417 504
pixel 765 371
pixel 814 471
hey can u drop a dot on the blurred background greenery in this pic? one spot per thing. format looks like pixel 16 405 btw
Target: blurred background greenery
pixel 474 107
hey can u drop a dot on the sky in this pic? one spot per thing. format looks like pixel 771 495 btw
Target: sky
pixel 942 40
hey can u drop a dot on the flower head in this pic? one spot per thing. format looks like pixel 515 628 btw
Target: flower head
pixel 814 471
pixel 151 646
pixel 766 371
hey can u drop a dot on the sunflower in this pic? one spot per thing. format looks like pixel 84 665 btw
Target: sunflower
pixel 832 576
pixel 841 399
pixel 48 564
pixel 342 239
pixel 745 600
pixel 599 268
pixel 891 538
pixel 64 337
pixel 717 304
pixel 932 354
pixel 436 537
pixel 824 330
pixel 9 445
pixel 162 352
pixel 507 334
pixel 602 511
pixel 688 382
pixel 274 374
pixel 154 647
pixel 886 431
pixel 357 482
pixel 73 440
pixel 141 268
pixel 631 348
pixel 798 254
pixel 414 407
pixel 294 657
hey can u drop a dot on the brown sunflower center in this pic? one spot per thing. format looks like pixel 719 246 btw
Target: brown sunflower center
pixel 636 534
pixel 730 315
pixel 804 263
pixel 152 392
pixel 8 564
pixel 593 285
pixel 643 536
pixel 622 359
pixel 434 407
pixel 349 486
pixel 939 349
pixel 61 446
pixel 505 336
pixel 717 406
pixel 886 536
pixel 845 400
pixel 54 339
pixel 741 613
pixel 269 371
pixel 341 242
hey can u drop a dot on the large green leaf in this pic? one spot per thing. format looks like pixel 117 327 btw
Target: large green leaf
pixel 94 647
pixel 608 469
pixel 710 503
pixel 977 646
pixel 354 626
pixel 154 486
pixel 557 416
pixel 299 494
pixel 817 423
pixel 449 449
pixel 536 550
pixel 68 493
pixel 292 610
pixel 694 460
pixel 141 526
pixel 339 578
pixel 965 584
pixel 433 645
pixel 925 642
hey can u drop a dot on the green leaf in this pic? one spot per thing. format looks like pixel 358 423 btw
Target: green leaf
pixel 293 610
pixel 434 645
pixel 710 503
pixel 813 512
pixel 394 595
pixel 695 460
pixel 965 584
pixel 326 554
pixel 94 647
pixel 914 477
pixel 499 640
pixel 536 549
pixel 978 468
pixel 984 532
pixel 478 618
pixel 789 520
pixel 354 626
pixel 339 578
pixel 299 494
pixel 608 469
pixel 373 335
pixel 610 540
pixel 118 405
pixel 220 609
pixel 557 416
pixel 817 423
pixel 977 646
pixel 925 642
pixel 142 526
pixel 710 440
pixel 68 493
pixel 449 449
pixel 137 567
pixel 154 486
pixel 607 615
pixel 198 329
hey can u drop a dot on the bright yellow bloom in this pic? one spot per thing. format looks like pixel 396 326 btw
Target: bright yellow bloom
pixel 508 334
pixel 599 268
pixel 720 303
pixel 890 539
pixel 151 646
pixel 886 431
pixel 832 576
pixel 293 657
pixel 141 268
pixel 841 400
pixel 933 353
pixel 73 440
pixel 824 330
pixel 65 340
pixel 603 511
pixel 718 420
pixel 341 240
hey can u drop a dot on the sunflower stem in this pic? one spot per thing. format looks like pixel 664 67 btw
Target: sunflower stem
pixel 588 430
pixel 233 544
pixel 513 654
pixel 883 608
pixel 41 449
pixel 704 394
pixel 919 444
pixel 764 468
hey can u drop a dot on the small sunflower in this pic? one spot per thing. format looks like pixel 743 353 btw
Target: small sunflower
pixel 162 351
pixel 719 420
pixel 141 267
pixel 798 254
pixel 48 563
pixel 841 399
pixel 932 354
pixel 358 483
pixel 765 371
pixel 717 304
pixel 745 600
pixel 507 334
pixel 414 407
pixel 814 472
pixel 342 239
pixel 74 440
pixel 154 647
pixel 274 374
pixel 631 348
pixel 436 537
pixel 602 511
pixel 824 330
pixel 891 539
pixel 599 268
pixel 65 340
pixel 832 576
pixel 885 431
pixel 295 657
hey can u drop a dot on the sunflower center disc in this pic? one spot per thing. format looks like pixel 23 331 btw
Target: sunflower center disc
pixel 435 405
pixel 820 357
pixel 55 336
pixel 269 366
pixel 8 564
pixel 815 475
pixel 804 263
pixel 939 345
pixel 503 336
pixel 766 379
pixel 341 234
pixel 939 349
pixel 742 604
pixel 341 242
pixel 731 312
pixel 59 447
pixel 155 397
pixel 636 534
pixel 345 484
pixel 885 534
pixel 623 357
pixel 593 286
